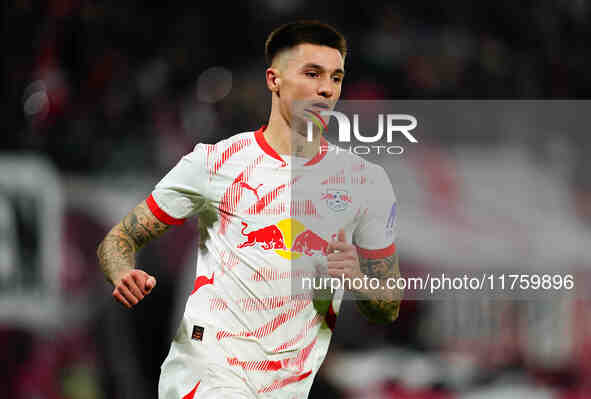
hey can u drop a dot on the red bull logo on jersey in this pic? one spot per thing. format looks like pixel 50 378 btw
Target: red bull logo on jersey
pixel 337 200
pixel 310 243
pixel 288 238
pixel 269 237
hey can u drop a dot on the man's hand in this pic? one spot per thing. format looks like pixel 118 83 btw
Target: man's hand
pixel 380 305
pixel 116 254
pixel 342 259
pixel 132 287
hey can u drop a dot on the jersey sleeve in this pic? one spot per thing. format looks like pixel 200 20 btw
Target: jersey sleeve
pixel 183 191
pixel 375 234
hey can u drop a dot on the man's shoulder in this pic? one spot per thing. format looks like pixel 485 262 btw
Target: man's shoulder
pixel 225 147
pixel 246 137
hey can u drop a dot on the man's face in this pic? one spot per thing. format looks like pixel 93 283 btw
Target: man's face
pixel 310 80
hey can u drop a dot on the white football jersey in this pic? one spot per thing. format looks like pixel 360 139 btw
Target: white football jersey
pixel 250 323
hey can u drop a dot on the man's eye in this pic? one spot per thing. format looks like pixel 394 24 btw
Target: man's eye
pixel 337 79
pixel 312 74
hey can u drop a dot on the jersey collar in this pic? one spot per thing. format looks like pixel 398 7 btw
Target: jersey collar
pixel 262 142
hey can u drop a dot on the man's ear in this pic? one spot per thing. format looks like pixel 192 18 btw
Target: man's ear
pixel 273 79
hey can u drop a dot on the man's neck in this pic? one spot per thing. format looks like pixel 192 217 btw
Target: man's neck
pixel 284 141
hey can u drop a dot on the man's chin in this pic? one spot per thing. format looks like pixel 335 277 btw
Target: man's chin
pixel 301 126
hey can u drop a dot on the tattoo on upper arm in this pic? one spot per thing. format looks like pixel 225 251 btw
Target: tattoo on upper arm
pixel 141 225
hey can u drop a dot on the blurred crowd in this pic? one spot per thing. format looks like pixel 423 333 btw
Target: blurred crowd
pixel 106 89
pixel 103 88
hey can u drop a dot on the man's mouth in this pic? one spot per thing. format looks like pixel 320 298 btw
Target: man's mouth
pixel 316 118
pixel 321 105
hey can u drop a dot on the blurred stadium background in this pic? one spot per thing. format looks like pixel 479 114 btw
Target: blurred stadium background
pixel 101 98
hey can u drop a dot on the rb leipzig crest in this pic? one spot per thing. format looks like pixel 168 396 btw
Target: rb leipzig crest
pixel 337 200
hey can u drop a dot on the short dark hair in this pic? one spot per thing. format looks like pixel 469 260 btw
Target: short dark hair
pixel 299 32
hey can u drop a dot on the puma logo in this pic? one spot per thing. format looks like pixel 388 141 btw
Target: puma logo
pixel 249 187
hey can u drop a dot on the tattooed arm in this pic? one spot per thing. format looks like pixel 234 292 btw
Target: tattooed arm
pixel 379 305
pixel 116 254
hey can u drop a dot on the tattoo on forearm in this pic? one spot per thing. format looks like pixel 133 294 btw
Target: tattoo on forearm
pixel 380 268
pixel 379 310
pixel 116 252
pixel 380 306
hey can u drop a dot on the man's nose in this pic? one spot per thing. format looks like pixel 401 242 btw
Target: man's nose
pixel 325 88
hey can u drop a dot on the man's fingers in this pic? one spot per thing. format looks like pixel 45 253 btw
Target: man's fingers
pixel 117 295
pixel 329 248
pixel 149 284
pixel 338 267
pixel 123 290
pixel 144 281
pixel 139 278
pixel 341 255
pixel 133 287
pixel 340 246
pixel 337 272
pixel 131 284
pixel 336 241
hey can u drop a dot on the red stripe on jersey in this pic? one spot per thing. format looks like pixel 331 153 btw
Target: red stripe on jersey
pixel 266 147
pixel 264 273
pixel 334 180
pixel 260 365
pixel 262 142
pixel 228 260
pixel 273 302
pixel 229 202
pixel 303 208
pixel 358 179
pixel 232 195
pixel 270 197
pixel 303 333
pixel 331 318
pixel 274 210
pixel 266 200
pixel 201 281
pixel 339 178
pixel 160 214
pixel 360 166
pixel 320 155
pixel 296 362
pixel 228 152
pixel 267 273
pixel 377 253
pixel 286 381
pixel 217 304
pixel 210 149
pixel 255 304
pixel 191 394
pixel 269 327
